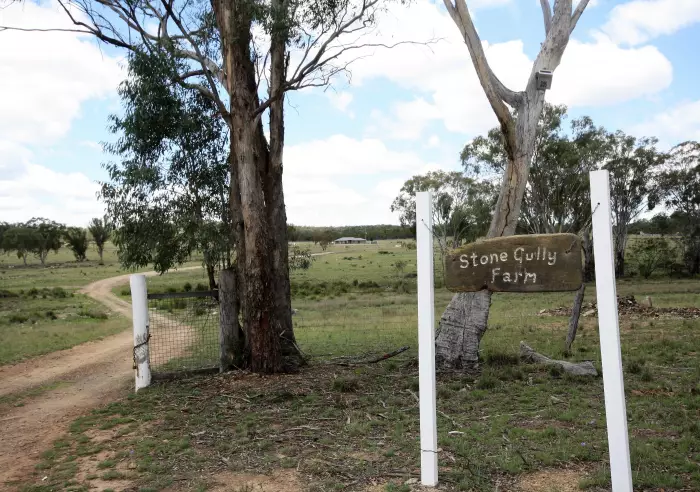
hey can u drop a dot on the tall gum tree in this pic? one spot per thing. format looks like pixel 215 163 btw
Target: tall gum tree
pixel 245 55
pixel 465 319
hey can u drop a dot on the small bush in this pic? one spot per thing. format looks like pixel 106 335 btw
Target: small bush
pixel 171 290
pixel 7 293
pixel 187 287
pixel 33 292
pixel 355 282
pixel 51 315
pixel 200 310
pixel 486 382
pixel 200 287
pixel 125 292
pixel 179 303
pixel 646 376
pixel 502 359
pixel 92 313
pixel 556 372
pixel 18 318
pixel 386 252
pixel 59 293
pixel 346 385
pixel 634 367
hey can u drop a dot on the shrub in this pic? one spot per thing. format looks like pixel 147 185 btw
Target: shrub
pixel 502 359
pixel 648 255
pixel 200 310
pixel 187 287
pixel 171 290
pixel 125 292
pixel 51 315
pixel 92 313
pixel 634 367
pixel 200 287
pixel 59 293
pixel 346 385
pixel 486 382
pixel 179 303
pixel 18 318
pixel 33 292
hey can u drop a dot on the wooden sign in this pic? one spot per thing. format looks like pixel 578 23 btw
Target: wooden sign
pixel 532 263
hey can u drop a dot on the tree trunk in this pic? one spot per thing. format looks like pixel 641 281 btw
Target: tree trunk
pixel 619 264
pixel 231 347
pixel 588 257
pixel 24 258
pixel 461 327
pixel 575 316
pixel 267 323
pixel 210 276
pixel 465 319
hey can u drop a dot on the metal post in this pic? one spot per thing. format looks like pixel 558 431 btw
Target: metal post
pixel 139 306
pixel 608 325
pixel 426 339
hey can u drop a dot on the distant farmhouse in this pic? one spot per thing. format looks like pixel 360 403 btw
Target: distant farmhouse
pixel 350 240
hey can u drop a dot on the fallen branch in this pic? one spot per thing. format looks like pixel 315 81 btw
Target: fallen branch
pixel 577 369
pixel 373 360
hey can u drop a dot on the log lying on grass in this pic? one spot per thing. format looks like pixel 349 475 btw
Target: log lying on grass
pixel 576 369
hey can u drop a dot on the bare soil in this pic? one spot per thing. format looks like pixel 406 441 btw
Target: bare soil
pixel 90 375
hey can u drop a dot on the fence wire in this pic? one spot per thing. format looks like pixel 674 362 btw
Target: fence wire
pixel 184 329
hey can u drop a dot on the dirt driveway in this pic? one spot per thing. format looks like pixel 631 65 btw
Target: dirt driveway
pixel 89 374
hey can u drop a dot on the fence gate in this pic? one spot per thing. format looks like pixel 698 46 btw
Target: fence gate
pixel 181 331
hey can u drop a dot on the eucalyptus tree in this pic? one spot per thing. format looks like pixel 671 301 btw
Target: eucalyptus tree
pixel 461 206
pixel 632 163
pixel 464 322
pixel 677 186
pixel 77 241
pixel 45 236
pixel 101 231
pixel 557 195
pixel 244 56
pixel 167 193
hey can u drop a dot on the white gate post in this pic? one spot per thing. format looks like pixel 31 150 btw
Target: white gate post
pixel 426 339
pixel 139 305
pixel 609 328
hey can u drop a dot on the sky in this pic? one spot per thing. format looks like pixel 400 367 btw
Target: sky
pixel 629 65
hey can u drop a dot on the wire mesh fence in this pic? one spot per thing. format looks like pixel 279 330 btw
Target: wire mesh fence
pixel 184 331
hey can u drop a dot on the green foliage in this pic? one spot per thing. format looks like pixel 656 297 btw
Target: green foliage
pixel 462 206
pixel 300 259
pixel 101 231
pixel 77 241
pixel 651 254
pixel 631 163
pixel 47 236
pixel 19 238
pixel 557 196
pixel 373 232
pixel 678 188
pixel 168 193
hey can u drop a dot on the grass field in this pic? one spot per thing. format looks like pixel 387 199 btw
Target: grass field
pixel 513 427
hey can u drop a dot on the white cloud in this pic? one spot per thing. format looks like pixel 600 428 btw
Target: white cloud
pixel 339 155
pixel 673 126
pixel 31 190
pixel 601 73
pixel 91 145
pixel 446 87
pixel 340 100
pixel 639 21
pixel 433 141
pixel 340 180
pixel 46 76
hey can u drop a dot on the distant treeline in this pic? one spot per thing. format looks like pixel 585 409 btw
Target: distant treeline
pixel 661 224
pixel 369 232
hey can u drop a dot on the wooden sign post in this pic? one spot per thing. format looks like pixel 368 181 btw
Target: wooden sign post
pixel 533 263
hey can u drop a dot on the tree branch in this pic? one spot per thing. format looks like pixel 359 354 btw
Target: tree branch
pixel 577 13
pixel 496 92
pixel 547 13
